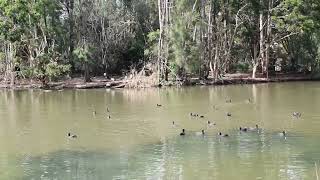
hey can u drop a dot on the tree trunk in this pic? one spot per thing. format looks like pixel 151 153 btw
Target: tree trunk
pixel 160 41
pixel 209 39
pixel 12 79
pixel 225 39
pixel 211 69
pixel 270 4
pixel 86 73
pixel 254 70
pixel 216 64
pixel 71 32
pixel 255 57
pixel 10 50
pixel 262 40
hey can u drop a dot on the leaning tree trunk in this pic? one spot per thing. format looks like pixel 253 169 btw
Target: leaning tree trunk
pixel 255 58
pixel 254 69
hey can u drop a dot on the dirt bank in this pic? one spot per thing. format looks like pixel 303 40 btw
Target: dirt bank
pixel 120 82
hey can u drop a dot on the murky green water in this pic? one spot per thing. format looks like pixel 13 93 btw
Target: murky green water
pixel 139 141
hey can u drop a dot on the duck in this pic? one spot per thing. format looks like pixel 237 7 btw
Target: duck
pixel 108 109
pixel 173 124
pixel 256 128
pixel 223 135
pixel 109 117
pixel 246 129
pixel 72 136
pixel 94 112
pixel 159 105
pixel 194 115
pixel 229 114
pixel 283 133
pixel 201 116
pixel 200 133
pixel 210 124
pixel 296 114
pixel 182 133
pixel 243 129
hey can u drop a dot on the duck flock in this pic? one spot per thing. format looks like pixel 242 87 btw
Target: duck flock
pixel 228 114
pixel 209 123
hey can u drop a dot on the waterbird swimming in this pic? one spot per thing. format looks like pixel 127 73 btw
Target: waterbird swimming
pixel 223 135
pixel 194 115
pixel 243 129
pixel 256 128
pixel 72 136
pixel 200 133
pixel 182 133
pixel 210 124
pixel 173 124
pixel 296 114
pixel 246 129
pixel 283 133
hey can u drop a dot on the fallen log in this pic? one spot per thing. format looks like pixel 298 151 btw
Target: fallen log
pixel 119 86
pixel 93 85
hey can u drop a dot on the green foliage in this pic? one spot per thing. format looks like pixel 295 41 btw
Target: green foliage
pixel 35 27
pixel 83 57
pixel 82 54
pixel 152 44
pixel 49 67
pixel 184 51
pixel 54 70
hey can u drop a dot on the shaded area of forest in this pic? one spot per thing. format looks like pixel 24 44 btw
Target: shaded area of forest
pixel 156 42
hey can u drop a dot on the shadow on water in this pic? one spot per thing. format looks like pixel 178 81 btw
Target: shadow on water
pixel 264 155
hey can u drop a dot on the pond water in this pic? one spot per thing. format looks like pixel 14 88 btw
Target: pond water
pixel 139 140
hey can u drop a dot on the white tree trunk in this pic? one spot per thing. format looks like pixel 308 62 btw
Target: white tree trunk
pixel 261 42
pixel 270 4
pixel 254 70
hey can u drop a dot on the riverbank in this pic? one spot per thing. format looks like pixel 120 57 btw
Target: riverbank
pixel 120 82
